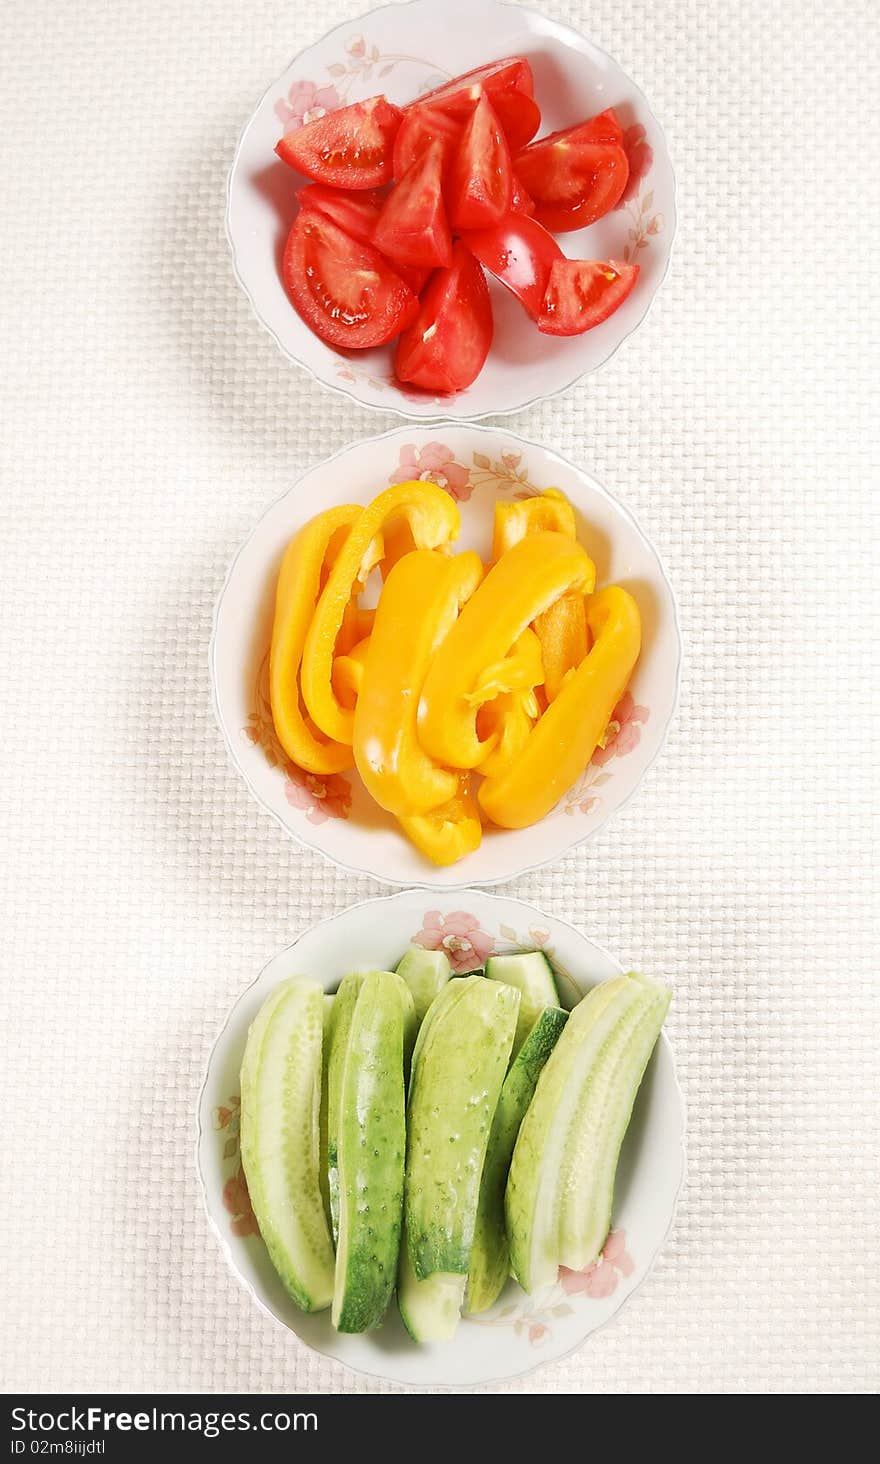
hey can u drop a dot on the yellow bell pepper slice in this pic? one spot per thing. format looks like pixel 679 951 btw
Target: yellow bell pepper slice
pixel 562 632
pixel 348 673
pixel 445 834
pixel 304 566
pixel 524 582
pixel 419 603
pixel 514 520
pixel 511 717
pixel 434 520
pixel 564 739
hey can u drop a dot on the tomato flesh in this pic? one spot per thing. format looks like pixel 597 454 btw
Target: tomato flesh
pixel 419 128
pixel 576 175
pixel 349 148
pixel 445 347
pixel 582 293
pixel 520 254
pixel 480 184
pixel 412 225
pixel 519 115
pixel 356 213
pixel 343 289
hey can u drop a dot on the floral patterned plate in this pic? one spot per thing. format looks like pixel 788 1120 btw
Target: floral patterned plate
pixel 519 1332
pixel 476 465
pixel 404 51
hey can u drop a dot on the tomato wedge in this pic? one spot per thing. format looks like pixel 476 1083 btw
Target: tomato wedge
pixel 519 116
pixel 445 347
pixel 520 254
pixel 512 73
pixel 480 184
pixel 343 289
pixel 349 148
pixel 572 178
pixel 356 213
pixel 520 201
pixel 582 293
pixel 412 226
pixel 419 128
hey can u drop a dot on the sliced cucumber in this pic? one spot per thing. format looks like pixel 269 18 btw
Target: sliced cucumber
pixel 604 1035
pixel 456 1078
pixel 425 973
pixel 280 1114
pixel 371 1150
pixel 323 1167
pixel 430 1310
pixel 410 1020
pixel 490 1256
pixel 532 975
pixel 343 1009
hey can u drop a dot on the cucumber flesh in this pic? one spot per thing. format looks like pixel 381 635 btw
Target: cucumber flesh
pixel 454 1088
pixel 429 1310
pixel 532 975
pixel 280 1118
pixel 323 1167
pixel 490 1256
pixel 371 1149
pixel 425 973
pixel 343 1010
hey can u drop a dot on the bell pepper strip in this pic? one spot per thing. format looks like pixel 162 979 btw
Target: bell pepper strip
pixel 445 834
pixel 513 520
pixel 348 673
pixel 420 601
pixel 520 670
pixel 564 739
pixel 299 586
pixel 434 519
pixel 524 582
pixel 562 632
pixel 512 717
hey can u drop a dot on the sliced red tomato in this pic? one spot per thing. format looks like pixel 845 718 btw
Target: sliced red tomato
pixel 343 289
pixel 413 275
pixel 356 213
pixel 572 180
pixel 445 347
pixel 519 116
pixel 512 73
pixel 520 201
pixel 479 188
pixel 420 127
pixel 349 148
pixel 520 254
pixel 412 225
pixel 602 128
pixel 582 293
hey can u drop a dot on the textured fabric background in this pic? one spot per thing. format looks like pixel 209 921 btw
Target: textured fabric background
pixel 146 420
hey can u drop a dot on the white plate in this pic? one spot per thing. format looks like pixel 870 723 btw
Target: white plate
pixel 519 1332
pixel 477 465
pixel 404 50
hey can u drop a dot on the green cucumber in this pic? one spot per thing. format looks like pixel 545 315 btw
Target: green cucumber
pixel 532 975
pixel 490 1256
pixel 323 1169
pixel 343 1009
pixel 371 1151
pixel 575 1116
pixel 280 1119
pixel 429 1310
pixel 425 973
pixel 454 1087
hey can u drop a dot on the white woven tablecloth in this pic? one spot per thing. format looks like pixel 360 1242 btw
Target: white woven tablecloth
pixel 145 422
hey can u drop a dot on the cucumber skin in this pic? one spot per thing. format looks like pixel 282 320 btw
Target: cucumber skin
pixel 430 1310
pixel 490 1255
pixel 537 991
pixel 454 1090
pixel 304 1196
pixel 343 1009
pixel 425 973
pixel 372 1144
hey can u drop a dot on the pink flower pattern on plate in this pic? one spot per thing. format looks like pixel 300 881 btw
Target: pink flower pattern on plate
pixel 321 797
pixel 624 731
pixel 600 1279
pixel 305 103
pixel 433 463
pixel 459 935
pixel 640 156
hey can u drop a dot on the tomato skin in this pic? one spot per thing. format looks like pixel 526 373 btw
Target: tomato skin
pixel 581 293
pixel 412 225
pixel 355 213
pixel 445 347
pixel 349 148
pixel 342 288
pixel 520 254
pixel 572 178
pixel 420 127
pixel 519 115
pixel 520 202
pixel 480 184
pixel 459 95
